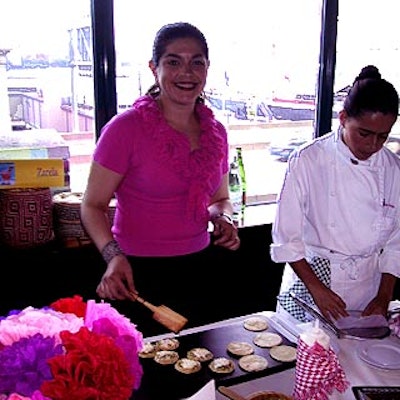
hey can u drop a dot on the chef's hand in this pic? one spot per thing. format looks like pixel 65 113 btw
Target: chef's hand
pixel 226 234
pixel 117 282
pixel 329 303
pixel 376 306
pixel 380 303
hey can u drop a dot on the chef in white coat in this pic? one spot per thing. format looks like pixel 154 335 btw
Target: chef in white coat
pixel 337 225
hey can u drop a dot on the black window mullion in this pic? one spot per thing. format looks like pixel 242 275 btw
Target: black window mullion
pixel 327 65
pixel 104 63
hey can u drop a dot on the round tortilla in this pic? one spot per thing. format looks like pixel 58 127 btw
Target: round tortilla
pixel 222 365
pixel 253 363
pixel 187 366
pixel 267 339
pixel 283 353
pixel 166 357
pixel 200 354
pixel 240 348
pixel 148 350
pixel 167 344
pixel 255 324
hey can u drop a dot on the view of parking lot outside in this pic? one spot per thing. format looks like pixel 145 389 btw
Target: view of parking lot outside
pixel 261 83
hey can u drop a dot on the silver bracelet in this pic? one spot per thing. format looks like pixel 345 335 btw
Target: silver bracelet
pixel 228 218
pixel 110 250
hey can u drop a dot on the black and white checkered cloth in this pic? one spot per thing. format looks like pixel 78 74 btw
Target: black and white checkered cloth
pixel 322 269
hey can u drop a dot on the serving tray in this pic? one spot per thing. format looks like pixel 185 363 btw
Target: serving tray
pixel 164 382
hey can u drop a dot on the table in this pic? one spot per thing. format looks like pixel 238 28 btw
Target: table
pixel 358 373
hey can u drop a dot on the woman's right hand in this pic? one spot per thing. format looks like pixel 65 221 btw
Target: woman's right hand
pixel 329 303
pixel 117 282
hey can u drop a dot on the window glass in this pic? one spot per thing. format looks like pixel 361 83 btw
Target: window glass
pixel 369 40
pixel 261 83
pixel 262 78
pixel 46 89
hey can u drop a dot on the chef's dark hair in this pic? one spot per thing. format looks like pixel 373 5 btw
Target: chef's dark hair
pixel 371 93
pixel 169 33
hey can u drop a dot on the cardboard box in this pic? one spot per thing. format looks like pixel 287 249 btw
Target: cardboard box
pixel 32 173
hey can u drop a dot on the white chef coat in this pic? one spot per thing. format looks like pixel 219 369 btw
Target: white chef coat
pixel 342 209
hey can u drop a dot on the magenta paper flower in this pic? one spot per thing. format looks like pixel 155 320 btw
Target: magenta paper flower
pixel 104 319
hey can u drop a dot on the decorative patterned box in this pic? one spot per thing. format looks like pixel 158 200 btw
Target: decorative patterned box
pixel 26 218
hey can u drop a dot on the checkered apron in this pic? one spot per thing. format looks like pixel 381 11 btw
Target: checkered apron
pixel 318 373
pixel 322 269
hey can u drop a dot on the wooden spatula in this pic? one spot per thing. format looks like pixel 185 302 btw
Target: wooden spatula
pixel 163 314
pixel 230 393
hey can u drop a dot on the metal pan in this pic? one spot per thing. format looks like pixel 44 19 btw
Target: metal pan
pixel 349 333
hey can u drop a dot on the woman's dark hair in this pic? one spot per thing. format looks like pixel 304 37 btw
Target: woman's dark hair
pixel 371 93
pixel 169 33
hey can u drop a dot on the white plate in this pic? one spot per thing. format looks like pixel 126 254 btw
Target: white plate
pixel 383 353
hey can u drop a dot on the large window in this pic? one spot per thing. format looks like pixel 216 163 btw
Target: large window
pixel 262 81
pixel 359 45
pixel 47 83
pixel 262 78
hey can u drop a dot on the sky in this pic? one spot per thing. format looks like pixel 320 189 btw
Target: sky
pixel 39 25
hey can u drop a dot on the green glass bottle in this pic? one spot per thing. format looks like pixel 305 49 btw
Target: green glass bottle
pixel 235 189
pixel 242 174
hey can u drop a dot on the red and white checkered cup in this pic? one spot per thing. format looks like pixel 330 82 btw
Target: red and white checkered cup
pixel 318 372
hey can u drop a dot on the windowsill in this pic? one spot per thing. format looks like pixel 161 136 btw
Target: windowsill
pixel 258 214
pixel 259 199
pixel 255 215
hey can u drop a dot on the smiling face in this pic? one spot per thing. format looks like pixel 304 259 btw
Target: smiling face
pixel 365 135
pixel 182 71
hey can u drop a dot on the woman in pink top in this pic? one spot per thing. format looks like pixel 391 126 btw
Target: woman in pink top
pixel 166 161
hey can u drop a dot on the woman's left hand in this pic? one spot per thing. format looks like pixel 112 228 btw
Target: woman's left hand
pixel 226 234
pixel 376 306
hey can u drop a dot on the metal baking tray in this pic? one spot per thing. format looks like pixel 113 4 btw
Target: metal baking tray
pixel 164 382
